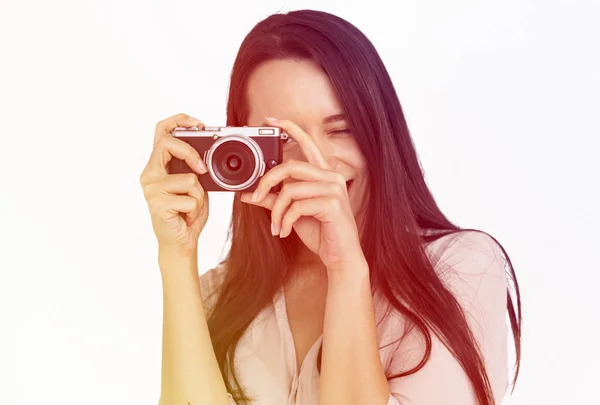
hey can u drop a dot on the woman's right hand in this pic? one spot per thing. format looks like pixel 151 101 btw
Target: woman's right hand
pixel 177 202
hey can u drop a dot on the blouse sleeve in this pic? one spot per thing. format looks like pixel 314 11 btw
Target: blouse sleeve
pixel 474 270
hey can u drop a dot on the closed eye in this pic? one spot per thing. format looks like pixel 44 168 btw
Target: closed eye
pixel 344 131
pixel 337 132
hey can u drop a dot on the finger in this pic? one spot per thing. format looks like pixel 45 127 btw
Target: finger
pixel 163 131
pixel 169 206
pixel 166 126
pixel 167 148
pixel 318 208
pixel 299 191
pixel 297 170
pixel 186 183
pixel 266 202
pixel 307 145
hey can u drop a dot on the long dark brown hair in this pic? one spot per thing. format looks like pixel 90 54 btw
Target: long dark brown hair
pixel 400 205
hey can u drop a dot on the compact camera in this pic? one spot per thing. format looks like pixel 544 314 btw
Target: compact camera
pixel 236 157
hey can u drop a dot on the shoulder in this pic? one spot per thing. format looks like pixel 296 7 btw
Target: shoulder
pixel 210 285
pixel 467 252
pixel 472 265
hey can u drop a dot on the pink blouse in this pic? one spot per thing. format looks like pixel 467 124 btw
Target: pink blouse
pixel 470 263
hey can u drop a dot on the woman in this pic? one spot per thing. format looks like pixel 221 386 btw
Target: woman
pixel 350 286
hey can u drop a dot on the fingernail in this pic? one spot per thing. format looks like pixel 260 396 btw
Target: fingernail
pixel 273 230
pixel 271 119
pixel 202 167
pixel 255 195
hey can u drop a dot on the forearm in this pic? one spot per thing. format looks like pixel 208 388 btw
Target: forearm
pixel 190 372
pixel 351 369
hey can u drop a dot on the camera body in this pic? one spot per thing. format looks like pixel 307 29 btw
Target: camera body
pixel 236 157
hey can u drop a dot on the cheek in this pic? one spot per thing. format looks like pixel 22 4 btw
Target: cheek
pixel 292 152
pixel 345 151
pixel 359 162
pixel 353 155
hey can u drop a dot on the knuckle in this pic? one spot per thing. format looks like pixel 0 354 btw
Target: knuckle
pixel 199 208
pixel 286 220
pixel 162 142
pixel 147 193
pixel 156 207
pixel 292 211
pixel 276 211
pixel 191 179
pixel 333 204
pixel 285 189
pixel 162 125
pixel 339 178
pixel 277 208
pixel 337 188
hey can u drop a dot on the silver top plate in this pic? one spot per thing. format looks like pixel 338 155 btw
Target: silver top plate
pixel 225 131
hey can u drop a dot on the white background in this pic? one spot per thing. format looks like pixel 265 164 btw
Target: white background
pixel 501 98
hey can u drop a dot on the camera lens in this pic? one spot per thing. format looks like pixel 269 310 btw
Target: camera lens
pixel 233 162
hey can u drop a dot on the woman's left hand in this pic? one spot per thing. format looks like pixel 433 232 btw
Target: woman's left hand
pixel 315 205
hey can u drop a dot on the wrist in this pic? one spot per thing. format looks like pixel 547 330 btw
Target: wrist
pixel 351 274
pixel 177 252
pixel 174 259
pixel 356 266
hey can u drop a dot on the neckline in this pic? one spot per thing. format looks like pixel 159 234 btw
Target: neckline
pixel 281 308
pixel 282 317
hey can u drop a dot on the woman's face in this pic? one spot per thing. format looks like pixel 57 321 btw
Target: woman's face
pixel 299 91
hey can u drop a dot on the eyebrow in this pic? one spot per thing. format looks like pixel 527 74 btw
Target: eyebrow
pixel 334 118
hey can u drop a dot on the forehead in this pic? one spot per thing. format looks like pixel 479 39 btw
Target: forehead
pixel 297 90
